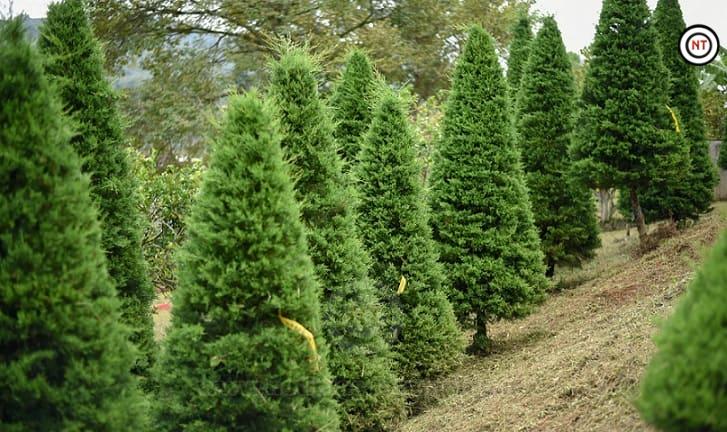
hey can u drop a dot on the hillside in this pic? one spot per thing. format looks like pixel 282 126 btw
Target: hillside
pixel 576 363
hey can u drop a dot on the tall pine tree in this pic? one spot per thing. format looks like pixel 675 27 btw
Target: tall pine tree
pixel 64 358
pixel 683 387
pixel 233 360
pixel 566 217
pixel 394 225
pixel 482 217
pixel 684 199
pixel 626 136
pixel 360 359
pixel 352 101
pixel 519 51
pixel 74 63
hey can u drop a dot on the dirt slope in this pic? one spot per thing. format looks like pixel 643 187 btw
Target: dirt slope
pixel 575 364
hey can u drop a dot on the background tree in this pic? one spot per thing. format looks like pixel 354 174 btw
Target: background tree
pixel 360 359
pixel 694 196
pixel 566 217
pixel 394 225
pixel 229 361
pixel 682 387
pixel 75 64
pixel 352 103
pixel 481 211
pixel 626 75
pixel 64 358
pixel 522 36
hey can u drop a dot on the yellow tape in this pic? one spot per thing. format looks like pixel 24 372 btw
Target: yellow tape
pixel 298 328
pixel 402 285
pixel 674 117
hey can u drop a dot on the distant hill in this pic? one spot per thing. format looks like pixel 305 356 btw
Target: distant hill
pixel 32 26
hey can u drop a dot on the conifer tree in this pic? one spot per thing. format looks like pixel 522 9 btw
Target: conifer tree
pixel 74 62
pixel 482 217
pixel 233 359
pixel 566 217
pixel 683 199
pixel 352 103
pixel 64 358
pixel 626 135
pixel 360 360
pixel 522 36
pixel 394 225
pixel 683 387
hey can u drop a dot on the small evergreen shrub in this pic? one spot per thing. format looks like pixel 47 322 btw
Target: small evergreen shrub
pixel 65 360
pixel 74 63
pixel 394 225
pixel 229 362
pixel 683 387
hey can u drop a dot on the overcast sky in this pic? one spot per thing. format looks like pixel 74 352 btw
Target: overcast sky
pixel 577 18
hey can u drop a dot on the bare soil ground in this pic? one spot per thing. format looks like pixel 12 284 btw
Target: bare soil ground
pixel 575 364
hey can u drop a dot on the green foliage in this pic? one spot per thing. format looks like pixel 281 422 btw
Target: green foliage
pixel 228 361
pixel 352 103
pixel 64 359
pixel 689 198
pixel 626 135
pixel 722 161
pixel 683 387
pixel 394 225
pixel 166 197
pixel 360 359
pixel 519 53
pixel 74 62
pixel 482 216
pixel 566 217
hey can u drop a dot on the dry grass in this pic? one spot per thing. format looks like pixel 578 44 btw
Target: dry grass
pixel 162 315
pixel 575 364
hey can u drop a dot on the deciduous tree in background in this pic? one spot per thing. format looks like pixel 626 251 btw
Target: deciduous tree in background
pixel 482 217
pixel 565 215
pixel 683 387
pixel 625 134
pixel 360 360
pixel 229 361
pixel 74 63
pixel 352 101
pixel 394 223
pixel 65 361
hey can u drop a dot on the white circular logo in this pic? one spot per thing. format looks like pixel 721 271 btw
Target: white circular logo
pixel 699 45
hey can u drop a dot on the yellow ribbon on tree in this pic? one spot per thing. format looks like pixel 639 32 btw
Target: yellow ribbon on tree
pixel 674 117
pixel 402 285
pixel 298 328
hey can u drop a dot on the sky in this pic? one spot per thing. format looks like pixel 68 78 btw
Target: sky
pixel 577 18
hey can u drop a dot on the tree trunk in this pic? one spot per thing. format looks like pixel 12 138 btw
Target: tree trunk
pixel 481 344
pixel 605 205
pixel 550 269
pixel 638 215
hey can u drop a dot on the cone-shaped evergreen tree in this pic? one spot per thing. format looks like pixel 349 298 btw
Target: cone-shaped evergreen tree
pixel 566 217
pixel 683 387
pixel 360 360
pixel 394 225
pixel 229 362
pixel 352 101
pixel 522 36
pixel 626 134
pixel 690 198
pixel 64 359
pixel 74 62
pixel 482 217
